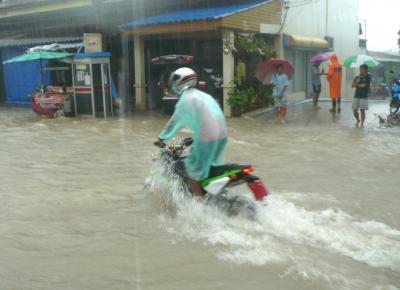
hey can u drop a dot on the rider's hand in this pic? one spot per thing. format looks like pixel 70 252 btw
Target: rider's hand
pixel 159 143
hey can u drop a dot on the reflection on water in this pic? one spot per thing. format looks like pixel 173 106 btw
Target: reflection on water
pixel 74 214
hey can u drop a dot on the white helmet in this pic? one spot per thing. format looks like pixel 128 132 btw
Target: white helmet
pixel 182 79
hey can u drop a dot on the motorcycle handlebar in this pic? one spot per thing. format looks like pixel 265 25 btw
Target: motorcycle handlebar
pixel 185 143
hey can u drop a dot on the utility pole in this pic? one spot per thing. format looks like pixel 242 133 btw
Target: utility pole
pixel 365 29
pixel 398 41
pixel 326 17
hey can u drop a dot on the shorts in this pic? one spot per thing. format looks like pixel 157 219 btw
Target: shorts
pixel 316 89
pixel 280 102
pixel 361 104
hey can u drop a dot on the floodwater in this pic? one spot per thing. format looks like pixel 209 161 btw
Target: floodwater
pixel 74 213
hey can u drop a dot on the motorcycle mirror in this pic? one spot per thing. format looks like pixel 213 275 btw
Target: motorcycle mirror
pixel 187 142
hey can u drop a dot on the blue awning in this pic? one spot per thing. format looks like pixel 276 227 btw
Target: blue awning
pixel 210 13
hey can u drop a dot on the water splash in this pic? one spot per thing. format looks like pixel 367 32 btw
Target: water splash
pixel 281 225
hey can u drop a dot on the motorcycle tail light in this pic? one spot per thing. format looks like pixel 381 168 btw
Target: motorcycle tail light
pixel 247 170
pixel 259 190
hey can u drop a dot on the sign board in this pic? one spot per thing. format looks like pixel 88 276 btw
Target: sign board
pixel 92 42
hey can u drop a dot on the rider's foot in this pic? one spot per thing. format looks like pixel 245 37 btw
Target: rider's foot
pixel 198 191
pixel 199 198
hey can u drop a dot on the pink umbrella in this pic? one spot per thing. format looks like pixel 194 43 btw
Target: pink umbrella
pixel 321 57
pixel 266 69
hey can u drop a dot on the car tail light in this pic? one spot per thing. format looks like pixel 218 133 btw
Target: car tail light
pixel 188 57
pixel 202 86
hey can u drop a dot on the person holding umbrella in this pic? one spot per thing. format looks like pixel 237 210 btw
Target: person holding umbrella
pixel 361 83
pixel 277 72
pixel 316 60
pixel 316 83
pixel 360 101
pixel 334 77
pixel 280 82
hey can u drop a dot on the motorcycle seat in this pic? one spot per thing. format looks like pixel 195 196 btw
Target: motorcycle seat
pixel 220 169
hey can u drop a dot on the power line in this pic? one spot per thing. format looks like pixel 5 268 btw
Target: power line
pixel 288 4
pixel 285 7
pixel 294 4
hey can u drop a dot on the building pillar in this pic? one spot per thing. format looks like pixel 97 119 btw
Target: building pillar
pixel 228 65
pixel 124 81
pixel 140 82
pixel 278 46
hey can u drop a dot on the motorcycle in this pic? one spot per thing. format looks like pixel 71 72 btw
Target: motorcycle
pixel 216 186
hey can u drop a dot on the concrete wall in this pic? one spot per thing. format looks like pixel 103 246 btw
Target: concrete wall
pixel 338 19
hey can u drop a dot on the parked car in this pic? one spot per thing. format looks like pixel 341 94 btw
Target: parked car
pixel 163 66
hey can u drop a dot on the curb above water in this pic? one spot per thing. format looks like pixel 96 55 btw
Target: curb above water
pixel 292 105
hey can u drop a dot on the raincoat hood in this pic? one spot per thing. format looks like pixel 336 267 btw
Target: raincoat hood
pixel 334 76
pixel 334 58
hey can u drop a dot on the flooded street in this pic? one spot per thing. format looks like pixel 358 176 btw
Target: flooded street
pixel 74 213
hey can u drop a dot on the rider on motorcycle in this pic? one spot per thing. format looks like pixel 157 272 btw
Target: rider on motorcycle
pixel 200 113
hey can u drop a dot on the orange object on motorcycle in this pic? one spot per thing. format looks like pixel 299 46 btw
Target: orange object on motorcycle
pixel 234 177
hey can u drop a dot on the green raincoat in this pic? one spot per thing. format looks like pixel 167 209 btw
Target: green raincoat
pixel 200 113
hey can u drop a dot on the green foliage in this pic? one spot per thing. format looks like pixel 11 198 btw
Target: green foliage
pixel 265 94
pixel 251 45
pixel 238 98
pixel 250 97
pixel 250 94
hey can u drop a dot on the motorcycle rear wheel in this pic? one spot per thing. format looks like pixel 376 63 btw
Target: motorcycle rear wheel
pixel 234 206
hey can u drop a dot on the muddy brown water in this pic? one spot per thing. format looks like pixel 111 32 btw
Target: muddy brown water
pixel 74 214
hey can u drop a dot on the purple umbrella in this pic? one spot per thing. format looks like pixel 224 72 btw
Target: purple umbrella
pixel 321 57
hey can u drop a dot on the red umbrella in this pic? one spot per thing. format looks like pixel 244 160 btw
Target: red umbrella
pixel 266 69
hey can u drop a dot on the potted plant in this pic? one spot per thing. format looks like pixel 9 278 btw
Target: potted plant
pixel 238 99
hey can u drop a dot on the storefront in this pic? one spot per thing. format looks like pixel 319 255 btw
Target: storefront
pixel 198 29
pixel 299 50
